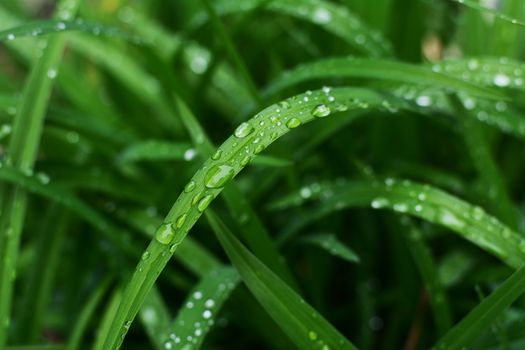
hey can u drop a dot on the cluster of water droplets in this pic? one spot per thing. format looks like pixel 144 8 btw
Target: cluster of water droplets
pixel 470 221
pixel 199 314
pixel 501 72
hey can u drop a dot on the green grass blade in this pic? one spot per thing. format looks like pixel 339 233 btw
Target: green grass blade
pixel 236 153
pixel 428 203
pixel 484 314
pixel 67 199
pixel 155 318
pixel 429 274
pixel 232 51
pixel 303 325
pixel 332 17
pixel 104 325
pixel 36 296
pixel 38 28
pixel 331 244
pixel 489 71
pixel 201 308
pixel 157 150
pixel 22 152
pixel 476 6
pixel 376 69
pixel 256 235
pixel 87 314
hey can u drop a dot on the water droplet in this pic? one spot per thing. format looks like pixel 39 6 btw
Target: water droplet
pixel 218 175
pixel 209 303
pixel 321 110
pixel 423 101
pixel 196 198
pixel 501 80
pixel 190 186
pixel 312 335
pixel 293 123
pixel 322 16
pixel 379 203
pixel 145 255
pixel 180 220
pixel 217 155
pixel 243 130
pixel 197 295
pixel 258 149
pixel 51 73
pixel 204 202
pixel 206 314
pixel 245 161
pixel 61 26
pixel 164 233
pixel 190 154
pixel 10 36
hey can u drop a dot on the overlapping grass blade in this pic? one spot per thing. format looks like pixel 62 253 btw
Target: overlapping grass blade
pixel 333 18
pixel 353 67
pixel 423 201
pixel 331 244
pixel 303 325
pixel 476 6
pixel 23 147
pixel 38 28
pixel 200 310
pixel 155 318
pixel 481 317
pixel 67 199
pixel 235 153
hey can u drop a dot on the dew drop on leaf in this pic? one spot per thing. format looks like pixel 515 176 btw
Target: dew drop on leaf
pixel 218 175
pixel 164 233
pixel 321 110
pixel 293 123
pixel 243 130
pixel 204 202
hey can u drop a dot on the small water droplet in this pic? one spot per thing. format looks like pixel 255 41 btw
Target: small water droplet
pixel 217 155
pixel 219 175
pixel 293 123
pixel 190 186
pixel 322 16
pixel 51 73
pixel 204 202
pixel 190 154
pixel 146 255
pixel 243 130
pixel 209 303
pixel 378 203
pixel 312 335
pixel 180 221
pixel 423 101
pixel 10 36
pixel 321 111
pixel 206 314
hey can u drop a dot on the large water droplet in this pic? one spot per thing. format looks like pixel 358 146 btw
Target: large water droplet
pixel 321 110
pixel 164 233
pixel 243 130
pixel 218 175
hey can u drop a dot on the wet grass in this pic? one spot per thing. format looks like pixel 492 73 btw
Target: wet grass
pixel 283 174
